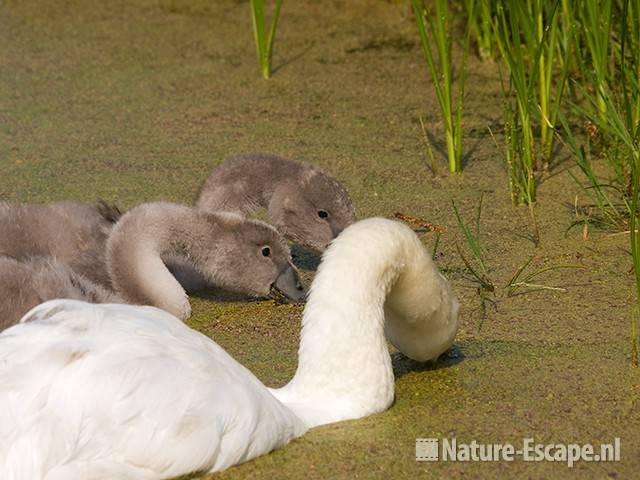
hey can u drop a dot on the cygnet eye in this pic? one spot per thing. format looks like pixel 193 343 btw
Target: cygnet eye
pixel 266 251
pixel 323 213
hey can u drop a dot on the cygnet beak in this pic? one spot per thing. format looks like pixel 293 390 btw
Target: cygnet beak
pixel 288 286
pixel 336 230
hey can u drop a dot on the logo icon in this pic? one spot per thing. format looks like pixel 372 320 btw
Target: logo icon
pixel 427 449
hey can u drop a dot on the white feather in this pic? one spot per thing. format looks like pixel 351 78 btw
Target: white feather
pixel 118 391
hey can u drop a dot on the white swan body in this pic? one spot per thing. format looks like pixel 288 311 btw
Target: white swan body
pixel 126 392
pixel 117 391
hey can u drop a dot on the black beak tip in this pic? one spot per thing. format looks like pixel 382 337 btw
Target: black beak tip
pixel 281 297
pixel 299 296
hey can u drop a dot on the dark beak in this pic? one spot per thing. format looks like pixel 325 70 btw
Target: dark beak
pixel 336 230
pixel 288 287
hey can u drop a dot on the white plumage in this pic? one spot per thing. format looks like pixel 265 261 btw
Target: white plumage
pixel 117 391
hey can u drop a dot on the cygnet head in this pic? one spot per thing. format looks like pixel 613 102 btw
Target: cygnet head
pixel 246 256
pixel 259 261
pixel 312 210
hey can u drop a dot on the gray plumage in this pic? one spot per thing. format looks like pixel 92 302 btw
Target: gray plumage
pixel 225 249
pixel 228 250
pixel 74 233
pixel 305 204
pixel 29 282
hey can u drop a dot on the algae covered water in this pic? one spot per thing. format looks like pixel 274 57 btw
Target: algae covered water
pixel 137 101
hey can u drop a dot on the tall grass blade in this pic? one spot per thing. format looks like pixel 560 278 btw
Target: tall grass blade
pixel 433 29
pixel 612 91
pixel 264 42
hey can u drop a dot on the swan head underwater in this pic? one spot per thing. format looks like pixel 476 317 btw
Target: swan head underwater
pixel 230 251
pixel 132 392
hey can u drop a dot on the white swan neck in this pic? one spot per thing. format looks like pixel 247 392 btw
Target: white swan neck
pixel 370 280
pixel 344 368
pixel 421 312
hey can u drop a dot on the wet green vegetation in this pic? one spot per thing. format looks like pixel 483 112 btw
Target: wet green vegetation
pixel 135 101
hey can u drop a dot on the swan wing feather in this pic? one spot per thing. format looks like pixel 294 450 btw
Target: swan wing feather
pixel 128 392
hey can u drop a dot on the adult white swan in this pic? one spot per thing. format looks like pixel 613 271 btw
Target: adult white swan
pixel 116 391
